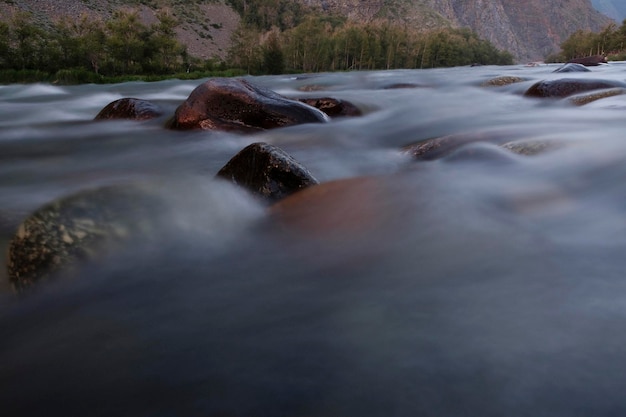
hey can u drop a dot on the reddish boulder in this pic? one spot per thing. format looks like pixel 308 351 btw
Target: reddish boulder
pixel 237 105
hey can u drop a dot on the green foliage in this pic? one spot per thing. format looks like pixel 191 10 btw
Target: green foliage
pixel 85 50
pixel 321 43
pixel 611 42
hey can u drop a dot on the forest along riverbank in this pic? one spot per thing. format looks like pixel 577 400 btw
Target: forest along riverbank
pixel 331 244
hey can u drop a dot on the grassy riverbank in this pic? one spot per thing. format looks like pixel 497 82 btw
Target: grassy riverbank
pixel 80 76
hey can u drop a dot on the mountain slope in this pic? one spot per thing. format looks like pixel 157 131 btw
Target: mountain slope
pixel 615 9
pixel 529 29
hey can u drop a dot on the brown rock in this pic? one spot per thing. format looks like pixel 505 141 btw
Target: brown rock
pixel 267 171
pixel 333 107
pixel 569 86
pixel 129 108
pixel 592 60
pixel 502 81
pixel 237 105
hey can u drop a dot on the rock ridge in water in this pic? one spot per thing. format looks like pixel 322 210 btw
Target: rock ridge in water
pixel 237 105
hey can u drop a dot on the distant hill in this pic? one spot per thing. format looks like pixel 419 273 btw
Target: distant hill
pixel 529 29
pixel 615 9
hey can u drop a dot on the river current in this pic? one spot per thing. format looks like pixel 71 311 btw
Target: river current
pixel 483 283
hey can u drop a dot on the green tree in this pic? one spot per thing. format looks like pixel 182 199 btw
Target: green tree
pixel 245 51
pixel 126 43
pixel 273 57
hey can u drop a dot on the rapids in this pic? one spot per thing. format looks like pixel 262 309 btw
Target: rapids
pixel 463 286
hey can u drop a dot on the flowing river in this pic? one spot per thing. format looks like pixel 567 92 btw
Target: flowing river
pixel 483 283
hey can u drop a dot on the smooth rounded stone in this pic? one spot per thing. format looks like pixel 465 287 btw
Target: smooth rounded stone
pixel 569 86
pixel 571 67
pixel 531 147
pixel 267 171
pixel 480 152
pixel 589 61
pixel 65 232
pixel 439 147
pixel 502 81
pixel 129 108
pixel 582 99
pixel 333 107
pixel 237 105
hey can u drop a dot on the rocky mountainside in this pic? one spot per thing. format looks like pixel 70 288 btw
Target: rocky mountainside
pixel 615 9
pixel 529 29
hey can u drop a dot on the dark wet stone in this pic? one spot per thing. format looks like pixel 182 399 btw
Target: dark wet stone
pixel 76 228
pixel 569 86
pixel 333 107
pixel 401 85
pixel 267 171
pixel 237 105
pixel 582 99
pixel 589 61
pixel 502 81
pixel 129 108
pixel 572 68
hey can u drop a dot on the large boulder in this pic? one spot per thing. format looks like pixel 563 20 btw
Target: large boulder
pixel 267 171
pixel 129 108
pixel 237 105
pixel 569 86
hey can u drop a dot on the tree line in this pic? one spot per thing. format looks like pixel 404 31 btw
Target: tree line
pixel 92 48
pixel 275 36
pixel 271 42
pixel 611 42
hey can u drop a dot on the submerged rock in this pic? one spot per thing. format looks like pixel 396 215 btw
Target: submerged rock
pixel 237 105
pixel 571 67
pixel 267 171
pixel 502 81
pixel 439 147
pixel 75 228
pixel 333 107
pixel 129 108
pixel 531 147
pixel 569 86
